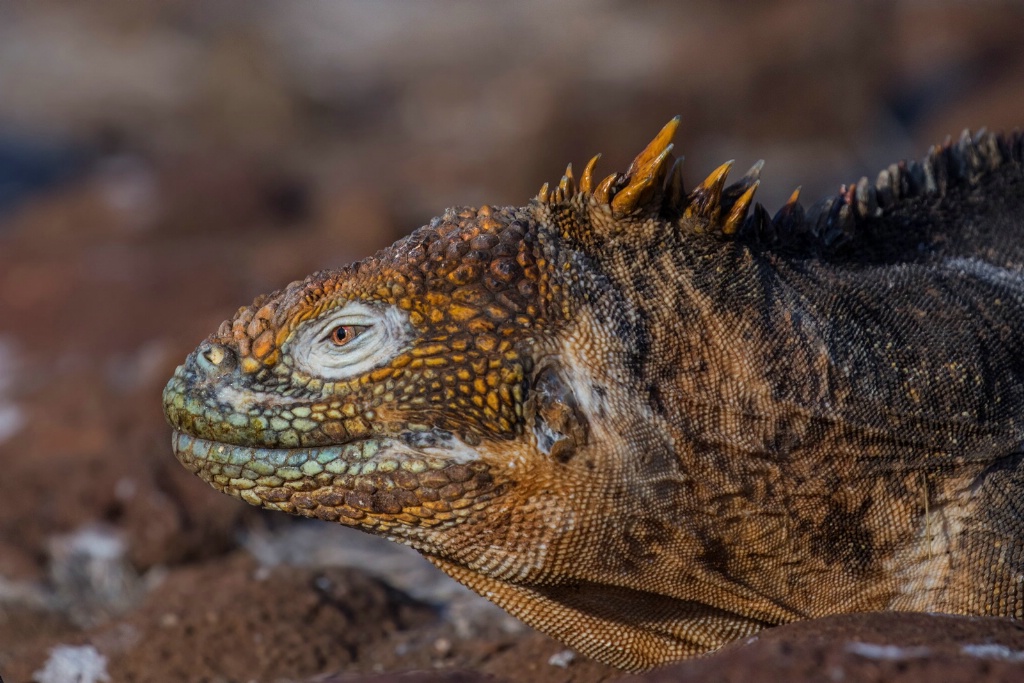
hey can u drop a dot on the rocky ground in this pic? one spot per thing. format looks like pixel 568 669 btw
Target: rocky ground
pixel 162 163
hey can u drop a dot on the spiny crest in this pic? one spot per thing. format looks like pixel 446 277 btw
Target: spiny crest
pixel 833 221
pixel 653 184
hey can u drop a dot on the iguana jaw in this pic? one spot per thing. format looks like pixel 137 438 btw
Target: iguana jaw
pixel 376 483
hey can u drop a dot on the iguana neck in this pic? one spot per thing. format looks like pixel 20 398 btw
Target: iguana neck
pixel 737 383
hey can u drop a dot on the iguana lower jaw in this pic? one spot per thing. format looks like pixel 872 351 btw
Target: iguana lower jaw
pixel 378 484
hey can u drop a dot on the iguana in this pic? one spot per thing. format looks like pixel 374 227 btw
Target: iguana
pixel 648 421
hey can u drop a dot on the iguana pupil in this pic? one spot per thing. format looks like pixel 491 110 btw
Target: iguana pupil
pixel 342 334
pixel 650 421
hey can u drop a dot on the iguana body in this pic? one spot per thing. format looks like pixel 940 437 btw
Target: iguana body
pixel 648 423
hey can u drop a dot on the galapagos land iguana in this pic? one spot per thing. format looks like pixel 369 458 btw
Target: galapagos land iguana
pixel 648 421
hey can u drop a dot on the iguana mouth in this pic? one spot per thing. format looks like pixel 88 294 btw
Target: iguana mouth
pixel 371 481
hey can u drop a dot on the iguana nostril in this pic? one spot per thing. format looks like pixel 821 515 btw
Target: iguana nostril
pixel 216 359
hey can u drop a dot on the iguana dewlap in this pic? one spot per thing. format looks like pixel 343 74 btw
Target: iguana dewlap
pixel 647 421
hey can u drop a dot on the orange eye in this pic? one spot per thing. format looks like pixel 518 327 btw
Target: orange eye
pixel 343 334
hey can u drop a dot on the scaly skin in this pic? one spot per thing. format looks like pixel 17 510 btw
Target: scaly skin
pixel 649 423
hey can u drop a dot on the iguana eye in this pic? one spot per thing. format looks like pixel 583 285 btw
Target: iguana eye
pixel 343 334
pixel 349 340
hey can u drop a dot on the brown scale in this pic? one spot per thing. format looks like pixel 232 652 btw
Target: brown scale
pixel 427 499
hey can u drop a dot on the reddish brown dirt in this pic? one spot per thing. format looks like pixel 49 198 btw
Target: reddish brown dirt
pixel 228 152
pixel 896 648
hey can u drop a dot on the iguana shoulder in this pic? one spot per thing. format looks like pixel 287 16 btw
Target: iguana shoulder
pixel 649 420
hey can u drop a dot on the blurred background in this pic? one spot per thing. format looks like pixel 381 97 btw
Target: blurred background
pixel 163 163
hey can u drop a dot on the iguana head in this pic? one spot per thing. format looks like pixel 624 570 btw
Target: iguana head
pixel 392 395
pixel 470 391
